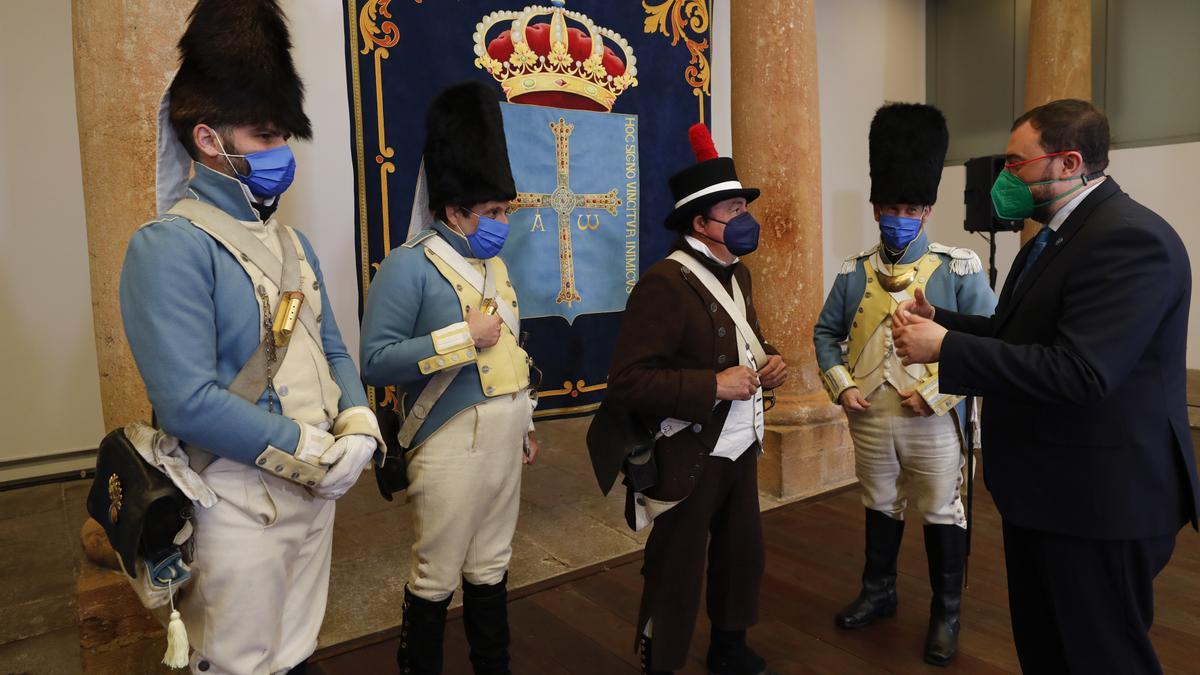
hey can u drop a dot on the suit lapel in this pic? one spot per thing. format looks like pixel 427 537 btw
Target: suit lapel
pixel 1014 292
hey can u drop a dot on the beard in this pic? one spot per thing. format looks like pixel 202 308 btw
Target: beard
pixel 239 164
pixel 1044 193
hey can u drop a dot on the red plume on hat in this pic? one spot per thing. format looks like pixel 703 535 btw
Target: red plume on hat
pixel 702 142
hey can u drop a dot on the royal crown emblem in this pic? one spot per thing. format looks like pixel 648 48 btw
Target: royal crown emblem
pixel 552 63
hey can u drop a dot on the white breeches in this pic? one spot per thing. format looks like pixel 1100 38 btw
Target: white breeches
pixel 899 455
pixel 261 573
pixel 465 487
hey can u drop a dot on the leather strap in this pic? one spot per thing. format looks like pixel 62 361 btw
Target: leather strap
pixel 458 263
pixel 735 309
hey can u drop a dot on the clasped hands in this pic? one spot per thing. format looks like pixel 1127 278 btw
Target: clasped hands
pixel 740 382
pixel 916 337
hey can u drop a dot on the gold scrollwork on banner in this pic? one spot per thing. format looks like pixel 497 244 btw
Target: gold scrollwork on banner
pixel 674 19
pixel 378 36
pixel 573 389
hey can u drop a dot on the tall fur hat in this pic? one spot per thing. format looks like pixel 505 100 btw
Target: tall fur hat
pixel 236 68
pixel 908 144
pixel 466 155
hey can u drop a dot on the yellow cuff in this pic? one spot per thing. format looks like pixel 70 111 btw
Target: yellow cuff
pixel 452 338
pixel 279 463
pixel 450 360
pixel 836 380
pixel 940 403
pixel 357 420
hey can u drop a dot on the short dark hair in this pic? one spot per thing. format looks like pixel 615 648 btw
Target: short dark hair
pixel 1071 124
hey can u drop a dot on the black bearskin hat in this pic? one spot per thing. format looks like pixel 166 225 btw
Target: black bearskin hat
pixel 236 68
pixel 466 155
pixel 908 145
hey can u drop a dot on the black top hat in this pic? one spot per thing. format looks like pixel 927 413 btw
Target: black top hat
pixel 908 145
pixel 710 180
pixel 236 68
pixel 466 155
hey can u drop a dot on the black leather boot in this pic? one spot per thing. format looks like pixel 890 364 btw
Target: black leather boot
pixel 485 620
pixel 421 633
pixel 878 595
pixel 728 654
pixel 299 669
pixel 645 645
pixel 946 547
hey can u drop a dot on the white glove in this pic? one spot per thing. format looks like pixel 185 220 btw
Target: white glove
pixel 354 453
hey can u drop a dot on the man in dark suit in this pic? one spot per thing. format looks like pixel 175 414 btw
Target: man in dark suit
pixel 684 364
pixel 1085 422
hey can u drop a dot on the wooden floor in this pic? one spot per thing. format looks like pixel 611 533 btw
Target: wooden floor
pixel 814 557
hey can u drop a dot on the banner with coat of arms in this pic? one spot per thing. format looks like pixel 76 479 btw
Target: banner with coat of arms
pixel 600 95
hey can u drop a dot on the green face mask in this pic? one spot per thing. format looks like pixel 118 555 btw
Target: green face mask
pixel 1013 199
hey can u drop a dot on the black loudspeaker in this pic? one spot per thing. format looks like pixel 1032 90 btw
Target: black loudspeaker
pixel 981 216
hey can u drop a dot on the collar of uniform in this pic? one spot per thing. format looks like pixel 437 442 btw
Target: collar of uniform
pixel 1062 214
pixel 224 192
pixel 700 248
pixel 718 268
pixel 456 240
pixel 914 252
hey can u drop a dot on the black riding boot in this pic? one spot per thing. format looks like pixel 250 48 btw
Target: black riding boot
pixel 878 595
pixel 421 633
pixel 946 547
pixel 728 654
pixel 485 620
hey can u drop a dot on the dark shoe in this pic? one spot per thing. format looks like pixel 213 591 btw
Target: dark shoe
pixel 728 654
pixel 485 620
pixel 644 646
pixel 946 547
pixel 299 669
pixel 421 633
pixel 878 596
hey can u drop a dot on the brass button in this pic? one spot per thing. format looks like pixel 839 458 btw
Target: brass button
pixel 721 332
pixel 262 290
pixel 316 285
pixel 713 308
pixel 490 390
pixel 245 257
pixel 458 286
pixel 262 462
pixel 696 428
pixel 279 468
pixel 486 370
pixel 295 475
pixel 320 318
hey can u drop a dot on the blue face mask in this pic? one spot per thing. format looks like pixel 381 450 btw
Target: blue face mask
pixel 741 233
pixel 898 232
pixel 488 239
pixel 271 171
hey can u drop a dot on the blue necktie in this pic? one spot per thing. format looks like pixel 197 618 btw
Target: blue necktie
pixel 1039 245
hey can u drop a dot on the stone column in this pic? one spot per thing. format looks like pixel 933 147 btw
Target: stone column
pixel 1059 63
pixel 124 57
pixel 776 143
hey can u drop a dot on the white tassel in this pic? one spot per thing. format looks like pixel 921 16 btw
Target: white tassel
pixel 848 265
pixel 177 639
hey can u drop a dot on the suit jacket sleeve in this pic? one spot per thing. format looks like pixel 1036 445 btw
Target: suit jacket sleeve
pixel 644 375
pixel 1113 302
pixel 963 323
